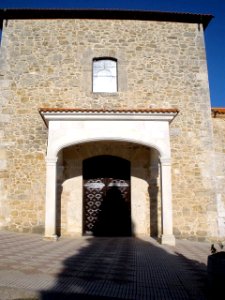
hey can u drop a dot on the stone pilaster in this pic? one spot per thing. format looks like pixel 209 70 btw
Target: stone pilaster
pixel 167 216
pixel 50 200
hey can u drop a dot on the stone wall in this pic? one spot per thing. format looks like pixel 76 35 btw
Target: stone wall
pixel 219 143
pixel 48 63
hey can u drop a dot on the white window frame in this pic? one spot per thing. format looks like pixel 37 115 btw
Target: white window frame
pixel 104 75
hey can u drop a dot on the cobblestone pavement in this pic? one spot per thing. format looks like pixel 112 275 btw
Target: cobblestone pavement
pixel 101 268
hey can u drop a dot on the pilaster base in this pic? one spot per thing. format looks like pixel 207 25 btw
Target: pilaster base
pixel 53 238
pixel 168 240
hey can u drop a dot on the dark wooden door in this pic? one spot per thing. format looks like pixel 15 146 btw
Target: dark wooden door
pixel 106 196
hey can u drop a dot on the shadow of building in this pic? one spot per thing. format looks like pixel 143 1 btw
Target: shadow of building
pixel 128 268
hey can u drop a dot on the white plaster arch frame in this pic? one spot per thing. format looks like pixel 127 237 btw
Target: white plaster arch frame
pixel 148 127
pixel 57 148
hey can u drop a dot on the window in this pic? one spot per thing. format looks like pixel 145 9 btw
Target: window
pixel 104 75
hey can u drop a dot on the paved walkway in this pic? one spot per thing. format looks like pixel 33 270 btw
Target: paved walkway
pixel 100 268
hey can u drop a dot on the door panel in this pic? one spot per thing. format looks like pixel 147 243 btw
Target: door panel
pixel 94 191
pixel 106 199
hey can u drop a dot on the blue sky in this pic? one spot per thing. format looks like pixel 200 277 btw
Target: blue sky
pixel 214 34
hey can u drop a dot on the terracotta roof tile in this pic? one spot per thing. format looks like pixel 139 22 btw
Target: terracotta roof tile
pixel 218 111
pixel 83 110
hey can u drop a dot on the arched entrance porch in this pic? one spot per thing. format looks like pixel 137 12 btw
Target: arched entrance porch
pixel 72 127
pixel 132 167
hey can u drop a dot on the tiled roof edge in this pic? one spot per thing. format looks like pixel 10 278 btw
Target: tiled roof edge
pixel 61 13
pixel 83 110
pixel 218 111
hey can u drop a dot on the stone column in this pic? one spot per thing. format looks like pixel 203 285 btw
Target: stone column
pixel 166 189
pixel 50 200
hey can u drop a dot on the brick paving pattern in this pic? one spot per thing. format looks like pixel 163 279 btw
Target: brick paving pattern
pixel 101 268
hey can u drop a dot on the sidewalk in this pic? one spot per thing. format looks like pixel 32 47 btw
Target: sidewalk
pixel 100 268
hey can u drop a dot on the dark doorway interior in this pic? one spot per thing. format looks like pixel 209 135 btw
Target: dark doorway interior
pixel 106 196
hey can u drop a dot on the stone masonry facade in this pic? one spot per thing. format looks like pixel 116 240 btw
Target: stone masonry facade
pixel 161 64
pixel 219 144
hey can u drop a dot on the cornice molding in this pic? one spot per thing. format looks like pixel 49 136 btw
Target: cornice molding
pixel 75 114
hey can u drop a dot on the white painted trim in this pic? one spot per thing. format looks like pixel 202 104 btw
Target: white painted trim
pixel 111 116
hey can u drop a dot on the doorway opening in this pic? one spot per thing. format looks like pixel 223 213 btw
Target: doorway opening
pixel 106 196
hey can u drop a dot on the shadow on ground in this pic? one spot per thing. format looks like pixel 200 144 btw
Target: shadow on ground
pixel 128 268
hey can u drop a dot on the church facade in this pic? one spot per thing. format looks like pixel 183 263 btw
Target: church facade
pixel 106 126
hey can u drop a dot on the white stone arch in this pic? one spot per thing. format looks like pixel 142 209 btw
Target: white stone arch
pixel 53 153
pixel 70 127
pixel 71 187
